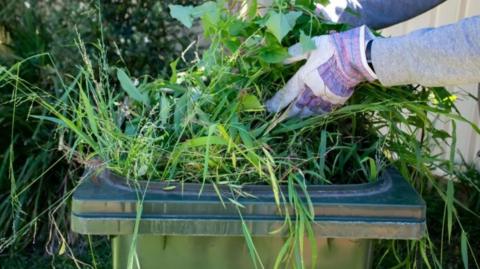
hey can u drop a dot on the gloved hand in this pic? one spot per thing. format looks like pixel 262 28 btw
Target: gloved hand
pixel 329 76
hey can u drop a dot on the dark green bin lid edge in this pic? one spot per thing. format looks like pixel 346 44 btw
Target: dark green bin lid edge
pixel 111 186
pixel 105 190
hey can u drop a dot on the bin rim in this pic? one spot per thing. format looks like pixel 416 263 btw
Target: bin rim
pixel 114 180
pixel 105 203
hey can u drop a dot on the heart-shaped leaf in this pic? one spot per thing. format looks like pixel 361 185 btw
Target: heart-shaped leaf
pixel 182 13
pixel 280 24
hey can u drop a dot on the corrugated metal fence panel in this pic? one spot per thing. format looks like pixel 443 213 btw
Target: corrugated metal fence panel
pixel 451 11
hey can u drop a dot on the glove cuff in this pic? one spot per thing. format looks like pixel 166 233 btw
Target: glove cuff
pixel 351 49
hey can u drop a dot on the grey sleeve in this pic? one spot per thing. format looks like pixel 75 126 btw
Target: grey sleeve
pixel 443 56
pixel 378 14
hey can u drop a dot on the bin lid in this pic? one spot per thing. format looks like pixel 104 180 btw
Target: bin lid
pixel 107 204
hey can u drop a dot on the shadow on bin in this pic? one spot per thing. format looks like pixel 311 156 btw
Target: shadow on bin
pixel 180 229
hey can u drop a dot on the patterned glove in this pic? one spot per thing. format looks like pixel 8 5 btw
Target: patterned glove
pixel 327 79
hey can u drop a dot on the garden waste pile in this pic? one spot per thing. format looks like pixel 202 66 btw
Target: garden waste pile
pixel 207 122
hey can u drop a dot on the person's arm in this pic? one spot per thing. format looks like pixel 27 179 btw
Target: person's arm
pixel 448 55
pixel 443 56
pixel 376 14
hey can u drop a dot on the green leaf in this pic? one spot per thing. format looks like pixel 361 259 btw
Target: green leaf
pixel 273 55
pixel 90 113
pixel 373 169
pixel 211 131
pixel 282 253
pixel 51 119
pixel 255 257
pixel 236 203
pixel 308 3
pixel 322 151
pixel 208 11
pixel 68 123
pixel 450 198
pixel 173 68
pixel 252 9
pixel 232 44
pixel 280 24
pixel 132 91
pixel 251 103
pixel 464 248
pixel 436 133
pixel 182 13
pixel 237 27
pixel 62 249
pixel 181 105
pixel 164 109
pixel 203 141
pixel 169 188
pixel 415 121
pixel 423 252
pixel 130 128
pixel 306 42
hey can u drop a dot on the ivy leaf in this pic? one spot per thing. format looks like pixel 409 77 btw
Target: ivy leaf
pixel 281 24
pixel 306 42
pixel 182 13
pixel 208 11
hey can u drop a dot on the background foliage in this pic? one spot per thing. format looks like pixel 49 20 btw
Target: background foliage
pixel 35 180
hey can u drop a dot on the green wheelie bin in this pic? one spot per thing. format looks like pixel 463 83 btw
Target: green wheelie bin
pixel 187 226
